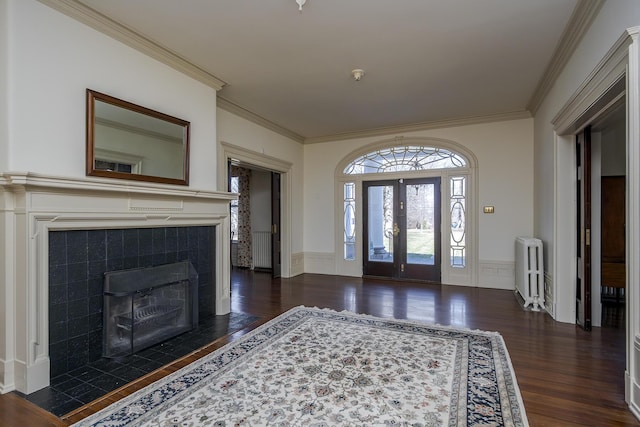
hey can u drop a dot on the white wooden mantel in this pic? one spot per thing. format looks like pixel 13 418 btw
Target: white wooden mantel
pixel 31 205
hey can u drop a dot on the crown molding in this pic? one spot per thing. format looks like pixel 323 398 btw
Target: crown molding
pixel 463 121
pixel 229 106
pixel 600 90
pixel 261 121
pixel 579 23
pixel 382 131
pixel 117 31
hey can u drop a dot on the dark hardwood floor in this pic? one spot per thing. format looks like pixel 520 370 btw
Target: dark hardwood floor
pixel 567 377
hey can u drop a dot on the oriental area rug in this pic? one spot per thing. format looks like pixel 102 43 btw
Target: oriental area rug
pixel 318 367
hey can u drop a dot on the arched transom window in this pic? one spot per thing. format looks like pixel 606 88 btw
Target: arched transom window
pixel 405 158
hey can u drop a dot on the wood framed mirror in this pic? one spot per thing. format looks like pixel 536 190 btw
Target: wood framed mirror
pixel 128 141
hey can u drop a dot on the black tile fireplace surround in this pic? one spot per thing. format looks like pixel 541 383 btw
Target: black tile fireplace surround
pixel 78 260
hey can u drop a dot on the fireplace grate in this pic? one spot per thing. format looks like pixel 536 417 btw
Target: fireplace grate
pixel 149 317
pixel 145 306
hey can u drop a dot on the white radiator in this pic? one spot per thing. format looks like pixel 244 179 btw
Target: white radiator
pixel 530 272
pixel 261 249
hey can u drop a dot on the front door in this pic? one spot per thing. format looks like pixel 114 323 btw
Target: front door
pixel 402 229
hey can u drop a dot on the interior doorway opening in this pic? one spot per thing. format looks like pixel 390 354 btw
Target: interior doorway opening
pixel 255 218
pixel 615 77
pixel 600 218
pixel 232 154
pixel 608 211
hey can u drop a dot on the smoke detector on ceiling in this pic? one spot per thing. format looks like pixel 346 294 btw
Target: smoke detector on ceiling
pixel 358 74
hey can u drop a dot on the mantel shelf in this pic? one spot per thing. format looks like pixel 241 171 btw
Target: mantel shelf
pixel 28 180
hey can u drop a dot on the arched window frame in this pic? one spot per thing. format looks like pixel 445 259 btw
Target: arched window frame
pixel 466 275
pixel 405 158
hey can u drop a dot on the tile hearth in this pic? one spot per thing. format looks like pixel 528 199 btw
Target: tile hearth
pixel 81 386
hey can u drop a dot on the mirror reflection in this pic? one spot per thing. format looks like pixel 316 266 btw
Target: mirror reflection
pixel 128 141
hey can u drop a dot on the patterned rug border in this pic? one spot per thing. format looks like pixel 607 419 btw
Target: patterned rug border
pixel 229 355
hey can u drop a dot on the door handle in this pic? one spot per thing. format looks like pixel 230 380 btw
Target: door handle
pixel 396 230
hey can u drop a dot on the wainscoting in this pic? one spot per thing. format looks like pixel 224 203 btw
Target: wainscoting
pixel 319 262
pixel 549 294
pixel 297 264
pixel 497 274
pixel 492 274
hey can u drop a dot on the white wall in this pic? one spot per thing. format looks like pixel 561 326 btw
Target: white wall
pixel 4 84
pixel 47 61
pixel 53 59
pixel 247 135
pixel 260 200
pixel 554 161
pixel 505 172
pixel 6 294
pixel 555 176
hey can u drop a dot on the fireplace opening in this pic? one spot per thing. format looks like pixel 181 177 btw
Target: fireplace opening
pixel 145 306
pixel 78 260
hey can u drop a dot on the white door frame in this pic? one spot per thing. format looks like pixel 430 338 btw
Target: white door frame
pixel 227 152
pixel 467 276
pixel 594 97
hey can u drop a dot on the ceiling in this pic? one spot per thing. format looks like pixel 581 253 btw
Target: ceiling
pixel 425 61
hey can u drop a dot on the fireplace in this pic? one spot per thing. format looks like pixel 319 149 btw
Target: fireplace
pixel 78 262
pixel 43 322
pixel 145 306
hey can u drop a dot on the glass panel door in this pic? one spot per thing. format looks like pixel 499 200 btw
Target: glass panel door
pixel 381 227
pixel 402 225
pixel 420 202
pixel 420 224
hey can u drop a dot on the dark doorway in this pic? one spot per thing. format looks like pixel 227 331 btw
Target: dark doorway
pixel 276 251
pixel 583 282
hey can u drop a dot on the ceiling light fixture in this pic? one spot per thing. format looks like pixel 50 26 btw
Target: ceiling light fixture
pixel 358 74
pixel 300 4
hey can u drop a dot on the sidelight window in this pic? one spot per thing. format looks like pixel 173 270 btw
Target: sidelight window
pixel 458 221
pixel 350 221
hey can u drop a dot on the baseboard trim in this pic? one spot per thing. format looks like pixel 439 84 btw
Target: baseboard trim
pixel 7 378
pixel 634 404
